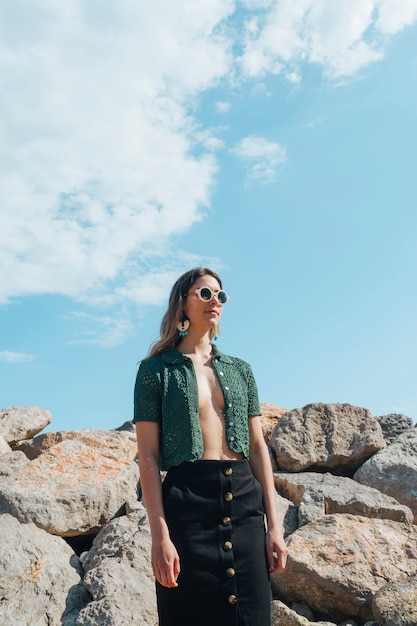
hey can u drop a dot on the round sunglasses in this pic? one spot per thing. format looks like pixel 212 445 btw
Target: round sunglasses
pixel 206 294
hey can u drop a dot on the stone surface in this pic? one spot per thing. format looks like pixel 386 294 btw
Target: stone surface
pixel 339 437
pixel 287 515
pixel 118 575
pixel 22 422
pixel 282 615
pixel 396 604
pixel 394 470
pixel 393 425
pixel 4 446
pixel 320 494
pixel 269 418
pixel 71 489
pixel 338 563
pixel 40 581
pixel 121 444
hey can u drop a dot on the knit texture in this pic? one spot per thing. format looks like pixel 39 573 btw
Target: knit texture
pixel 166 392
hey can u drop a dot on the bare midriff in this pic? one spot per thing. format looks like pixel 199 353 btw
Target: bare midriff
pixel 211 405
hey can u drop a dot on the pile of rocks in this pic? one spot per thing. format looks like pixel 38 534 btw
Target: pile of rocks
pixel 75 542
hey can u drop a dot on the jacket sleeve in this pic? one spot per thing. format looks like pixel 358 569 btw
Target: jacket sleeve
pixel 253 399
pixel 147 396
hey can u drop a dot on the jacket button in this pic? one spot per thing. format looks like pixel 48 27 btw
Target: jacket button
pixel 230 572
pixel 232 599
pixel 228 496
pixel 227 546
pixel 228 471
pixel 221 373
pixel 227 521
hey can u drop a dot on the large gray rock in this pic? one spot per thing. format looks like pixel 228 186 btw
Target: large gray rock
pixel 118 575
pixel 396 604
pixel 394 470
pixel 320 494
pixel 40 580
pixel 4 446
pixel 22 422
pixel 71 489
pixel 393 425
pixel 282 615
pixel 339 562
pixel 339 437
pixel 120 444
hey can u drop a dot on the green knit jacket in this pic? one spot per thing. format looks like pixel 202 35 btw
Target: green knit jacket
pixel 166 392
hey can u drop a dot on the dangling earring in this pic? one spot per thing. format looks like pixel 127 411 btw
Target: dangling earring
pixel 215 336
pixel 183 325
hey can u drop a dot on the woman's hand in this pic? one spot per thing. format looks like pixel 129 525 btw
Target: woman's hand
pixel 165 562
pixel 276 550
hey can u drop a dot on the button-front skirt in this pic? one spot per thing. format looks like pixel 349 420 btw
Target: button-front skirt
pixel 215 516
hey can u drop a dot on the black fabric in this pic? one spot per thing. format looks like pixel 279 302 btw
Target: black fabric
pixel 197 507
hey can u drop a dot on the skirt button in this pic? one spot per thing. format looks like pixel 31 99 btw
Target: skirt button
pixel 228 496
pixel 228 471
pixel 227 521
pixel 230 572
pixel 232 599
pixel 227 546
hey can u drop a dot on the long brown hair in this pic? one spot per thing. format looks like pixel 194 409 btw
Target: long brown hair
pixel 169 336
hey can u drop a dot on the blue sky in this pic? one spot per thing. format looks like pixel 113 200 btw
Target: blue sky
pixel 273 141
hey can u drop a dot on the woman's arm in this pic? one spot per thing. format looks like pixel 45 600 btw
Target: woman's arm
pixel 164 557
pixel 261 468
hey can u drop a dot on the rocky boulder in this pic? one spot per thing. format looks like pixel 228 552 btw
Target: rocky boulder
pixel 393 425
pixel 41 577
pixel 316 495
pixel 118 575
pixel 338 437
pixel 393 471
pixel 396 603
pixel 339 562
pixel 22 422
pixel 120 444
pixel 71 489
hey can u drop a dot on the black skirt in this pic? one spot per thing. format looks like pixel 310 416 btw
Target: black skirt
pixel 215 516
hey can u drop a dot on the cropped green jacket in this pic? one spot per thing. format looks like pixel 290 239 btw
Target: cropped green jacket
pixel 166 392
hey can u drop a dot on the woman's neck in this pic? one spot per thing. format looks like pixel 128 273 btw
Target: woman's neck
pixel 199 345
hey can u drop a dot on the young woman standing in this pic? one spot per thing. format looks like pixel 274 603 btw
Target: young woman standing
pixel 197 416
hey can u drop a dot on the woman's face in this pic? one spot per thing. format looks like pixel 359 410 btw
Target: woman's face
pixel 204 315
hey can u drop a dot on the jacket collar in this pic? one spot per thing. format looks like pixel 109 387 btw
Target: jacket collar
pixel 175 356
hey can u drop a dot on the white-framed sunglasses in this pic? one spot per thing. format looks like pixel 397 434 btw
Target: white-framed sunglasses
pixel 206 294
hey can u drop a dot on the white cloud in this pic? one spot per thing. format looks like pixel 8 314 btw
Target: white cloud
pixel 102 159
pixel 342 37
pixel 104 331
pixel 260 157
pixel 16 357
pixel 97 163
pixel 223 107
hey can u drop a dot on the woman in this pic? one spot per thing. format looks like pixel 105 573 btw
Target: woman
pixel 197 416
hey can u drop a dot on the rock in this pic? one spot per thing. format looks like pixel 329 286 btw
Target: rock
pixel 118 575
pixel 396 603
pixel 269 418
pixel 22 422
pixel 326 436
pixel 336 564
pixel 287 515
pixel 121 444
pixel 127 426
pixel 282 615
pixel 71 489
pixel 40 580
pixel 394 470
pixel 393 425
pixel 320 494
pixel 4 446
